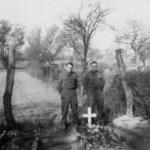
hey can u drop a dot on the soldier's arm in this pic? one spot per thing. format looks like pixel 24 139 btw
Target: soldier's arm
pixel 59 84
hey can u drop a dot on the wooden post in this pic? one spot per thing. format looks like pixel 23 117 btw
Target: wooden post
pixel 128 92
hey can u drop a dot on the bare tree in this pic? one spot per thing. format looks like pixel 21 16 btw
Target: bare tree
pixel 77 45
pixel 85 27
pixel 12 40
pixel 52 43
pixel 35 45
pixel 128 93
pixel 44 49
pixel 5 29
pixel 136 39
pixel 74 42
pixel 94 53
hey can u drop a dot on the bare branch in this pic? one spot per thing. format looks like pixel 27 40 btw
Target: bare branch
pixel 84 28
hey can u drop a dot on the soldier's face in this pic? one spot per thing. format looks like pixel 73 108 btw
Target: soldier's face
pixel 69 68
pixel 94 67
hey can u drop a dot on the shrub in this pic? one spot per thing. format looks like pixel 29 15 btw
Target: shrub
pixel 139 82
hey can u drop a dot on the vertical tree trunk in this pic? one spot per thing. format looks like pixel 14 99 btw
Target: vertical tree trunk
pixel 9 89
pixel 137 55
pixel 144 65
pixel 84 66
pixel 51 72
pixel 140 65
pixel 127 90
pixel 85 58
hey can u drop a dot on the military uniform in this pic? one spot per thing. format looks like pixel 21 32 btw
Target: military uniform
pixel 93 85
pixel 67 88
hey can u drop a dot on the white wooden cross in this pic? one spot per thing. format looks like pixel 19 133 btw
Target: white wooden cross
pixel 89 115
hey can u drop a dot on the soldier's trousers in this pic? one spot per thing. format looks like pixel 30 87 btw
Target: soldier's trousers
pixel 95 99
pixel 69 97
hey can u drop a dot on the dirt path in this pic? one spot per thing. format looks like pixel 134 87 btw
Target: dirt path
pixel 32 96
pixel 30 93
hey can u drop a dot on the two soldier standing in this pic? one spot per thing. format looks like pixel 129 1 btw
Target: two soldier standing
pixel 93 86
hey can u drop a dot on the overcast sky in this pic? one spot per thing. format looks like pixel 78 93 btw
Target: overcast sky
pixel 44 13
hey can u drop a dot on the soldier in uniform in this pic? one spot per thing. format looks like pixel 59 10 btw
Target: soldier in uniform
pixel 93 85
pixel 67 86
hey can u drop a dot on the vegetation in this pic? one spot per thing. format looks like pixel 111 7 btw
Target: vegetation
pixel 140 86
pixel 42 51
pixel 127 92
pixel 83 28
pixel 11 39
pixel 135 38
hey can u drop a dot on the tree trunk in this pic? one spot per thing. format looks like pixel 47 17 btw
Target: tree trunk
pixel 9 90
pixel 137 55
pixel 144 65
pixel 85 58
pixel 140 65
pixel 51 74
pixel 84 66
pixel 127 90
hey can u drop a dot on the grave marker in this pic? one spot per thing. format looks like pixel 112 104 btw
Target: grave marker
pixel 89 115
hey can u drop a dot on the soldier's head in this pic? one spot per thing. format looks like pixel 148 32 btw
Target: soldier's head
pixel 94 66
pixel 69 67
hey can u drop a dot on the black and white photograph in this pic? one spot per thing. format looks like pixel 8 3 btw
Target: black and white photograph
pixel 74 74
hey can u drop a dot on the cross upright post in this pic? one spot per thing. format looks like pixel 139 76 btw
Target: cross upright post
pixel 89 115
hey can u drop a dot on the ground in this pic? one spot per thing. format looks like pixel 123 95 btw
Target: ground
pixel 35 100
pixel 29 94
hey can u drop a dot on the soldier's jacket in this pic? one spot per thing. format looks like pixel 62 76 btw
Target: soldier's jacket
pixel 67 81
pixel 93 80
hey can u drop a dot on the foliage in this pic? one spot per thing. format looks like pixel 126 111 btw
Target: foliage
pixel 11 38
pixel 139 82
pixel 42 50
pixel 5 29
pixel 115 98
pixel 94 54
pixel 84 27
pixel 135 38
pixel 73 41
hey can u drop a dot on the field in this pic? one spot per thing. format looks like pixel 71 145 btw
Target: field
pixel 34 100
pixel 30 96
